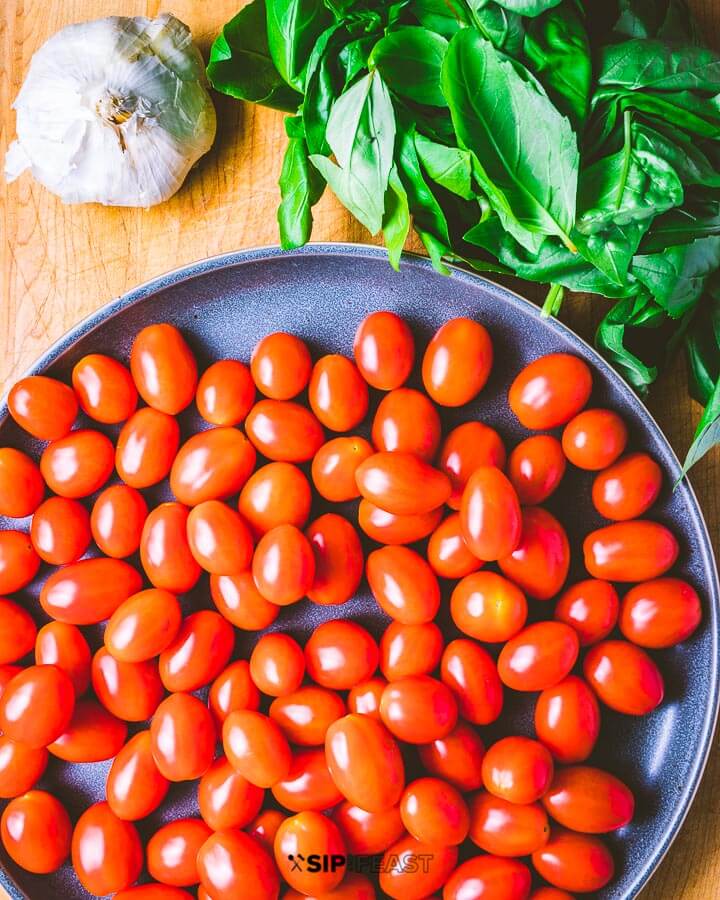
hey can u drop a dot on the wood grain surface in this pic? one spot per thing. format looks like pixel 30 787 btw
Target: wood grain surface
pixel 59 263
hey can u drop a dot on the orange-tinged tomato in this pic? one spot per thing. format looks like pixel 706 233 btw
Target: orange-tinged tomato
pixel 19 562
pixel 390 528
pixel 339 654
pixel 7 673
pixel 281 365
pixel 93 735
pixel 225 392
pixel 117 520
pixel 434 812
pixel 302 835
pixel 456 757
pixel 154 891
pixel 334 466
pixel 306 714
pixel 447 550
pixel 412 871
pixel 233 689
pixel 62 645
pixel 265 826
pixel 550 390
pixel 135 787
pixel 163 368
pixel 418 709
pixel 277 664
pixel 364 698
pixel 183 737
pixel 143 625
pixel 89 591
pixel 219 538
pixel 403 584
pixel 594 439
pixel 338 395
pixel 406 421
pixel 517 769
pixel 146 447
pixel 283 565
pixel 172 852
pixel 226 799
pixel 338 559
pixel 60 531
pixel 630 551
pixel 540 563
pixel 591 608
pixel 164 549
pixel 490 514
pixel 129 690
pixel 211 465
pixel 20 767
pixel 402 483
pixel 488 607
pixel 21 484
pixel 550 893
pixel 17 631
pixel 489 878
pixel 106 851
pixel 410 649
pixel 466 448
pixel 36 832
pixel 567 720
pixel 574 862
pixel 256 747
pixel 507 829
pixel 78 464
pixel 308 784
pixel 660 613
pixel 536 467
pixel 539 657
pixel 627 489
pixel 457 362
pixel 232 864
pixel 198 653
pixel 367 833
pixel 470 673
pixel 284 431
pixel 624 677
pixel 237 598
pixel 352 887
pixel 590 800
pixel 44 407
pixel 384 350
pixel 277 494
pixel 36 705
pixel 105 388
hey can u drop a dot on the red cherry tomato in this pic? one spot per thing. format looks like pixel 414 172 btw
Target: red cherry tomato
pixel 308 784
pixel 143 625
pixel 536 467
pixel 129 690
pixel 232 864
pixel 466 448
pixel 567 720
pixel 36 832
pixel 21 484
pixel 490 514
pixel 340 654
pixel 403 584
pixel 17 631
pixel 412 871
pixel 104 388
pixel 630 551
pixel 60 531
pixel 457 362
pixel 540 563
pixel 306 714
pixel 367 833
pixel 183 737
pixel 163 368
pixel 338 560
pixel 89 591
pixel 93 735
pixel 64 646
pixel 19 562
pixel 410 649
pixel 364 698
pixel 117 520
pixel 488 607
pixel 283 566
pixel 146 447
pixel 591 608
pixel 456 757
pixel 401 483
pixel 157 892
pixel 212 465
pixel 587 799
pixel 277 664
pixel 164 549
pixel 44 407
pixel 281 365
pixel 447 550
pixel 338 395
pixel 334 466
pixel 407 421
pixel 550 390
pixel 470 673
pixel 507 829
pixel 20 767
pixel 489 878
pixel 434 812
pixel 539 657
pixel 106 852
pixel 239 601
pixel 517 769
pixel 660 613
pixel 284 431
pixel 302 835
pixel 225 392
pixel 418 709
pixel 219 539
pixel 199 652
pixel 256 747
pixel 550 893
pixel 78 464
pixel 233 689
pixel 624 677
pixel 265 826
pixel 390 528
pixel 7 673
pixel 352 887
pixel 384 350
pixel 627 489
pixel 594 439
pixel 226 799
pixel 574 862
pixel 135 787
pixel 36 705
pixel 172 852
pixel 277 494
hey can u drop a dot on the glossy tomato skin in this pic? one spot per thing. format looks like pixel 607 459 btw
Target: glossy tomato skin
pixel 540 563
pixel 470 673
pixel 627 489
pixel 466 448
pixel 7 673
pixel 281 365
pixel 567 720
pixel 135 787
pixel 256 747
pixel 536 467
pixel 339 654
pixel 163 368
pixel 277 664
pixel 550 893
pixel 19 562
pixel 589 800
pixel 365 762
pixel 490 514
pixel 338 559
pixel 164 549
pixel 129 690
pixel 172 852
pixel 225 392
pixel 418 709
pixel 62 645
pixel 283 565
pixel 660 613
pixel 334 466
pixel 410 649
pixel 406 421
pixel 79 464
pixel 507 829
pixel 630 551
pixel 402 483
pixel 594 439
pixel 60 531
pixel 265 826
pixel 434 812
pixel 36 832
pixel 384 350
pixel 457 362
pixel 104 388
pixel 183 737
pixel 550 390
pixel 489 878
pixel 199 652
pixel 352 887
pixel 20 767
pixel 146 447
pixel 304 834
pixel 276 494
pixel 574 862
pixel 143 625
pixel 393 529
pixel 211 465
pixel 368 833
pixel 232 864
pixel 17 631
pixel 284 431
pixel 21 485
pixel 117 520
pixel 403 879
pixel 44 407
pixel 219 538
pixel 624 677
pixel 447 550
pixel 364 698
pixel 154 891
pixel 591 608
pixel 106 852
pixel 36 705
pixel 233 689
pixel 539 657
pixel 308 785
pixel 93 735
pixel 488 607
pixel 306 714
pixel 456 758
pixel 403 584
pixel 517 769
pixel 338 394
pixel 237 598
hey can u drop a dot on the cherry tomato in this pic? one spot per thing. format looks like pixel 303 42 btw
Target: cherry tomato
pixel 587 799
pixel 36 705
pixel 117 520
pixel 143 625
pixel 594 439
pixel 20 767
pixel 154 891
pixel 146 447
pixel 62 645
pixel 219 539
pixel 411 871
pixel 490 516
pixel 447 550
pixel 456 757
pixel 78 464
pixel 277 664
pixel 44 407
pixel 340 654
pixel 401 483
pixel 540 563
pixel 567 720
pixel 384 350
pixel 239 601
pixel 36 832
pixel 507 829
pixel 89 591
pixel 367 833
pixel 281 365
pixel 457 362
pixel 19 562
pixel 338 395
pixel 574 862
pixel 129 690
pixel 183 737
pixel 283 565
pixel 17 631
pixel 488 607
pixel 106 851
pixel 489 878
pixel 172 852
pixel 660 613
pixel 550 893
pixel 470 673
pixel 550 390
pixel 627 489
pixel 365 762
pixel 93 735
pixel 624 677
pixel 199 652
pixel 225 392
pixel 418 709
pixel 163 368
pixel 390 528
pixel 308 784
pixel 466 448
pixel 7 673
pixel 284 431
pixel 60 531
pixel 135 787
pixel 232 864
pixel 277 494
pixel 265 826
pixel 104 388
pixel 302 835
pixel 591 608
pixel 536 467
pixel 306 714
pixel 256 747
pixel 364 698
pixel 434 812
pixel 338 560
pixel 407 421
pixel 164 549
pixel 630 551
pixel 212 465
pixel 403 584
pixel 21 485
pixel 517 769
pixel 352 887
pixel 410 649
pixel 233 689
pixel 334 466
pixel 539 657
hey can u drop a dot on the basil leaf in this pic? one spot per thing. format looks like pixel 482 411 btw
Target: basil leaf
pixel 676 277
pixel 615 330
pixel 683 226
pixel 639 18
pixel 410 60
pixel 684 109
pixel 301 186
pixel 505 30
pixel 707 434
pixel 528 7
pixel 612 250
pixel 323 86
pixel 653 65
pixel 687 159
pixel 702 345
pixel 293 27
pixel 444 18
pixel 396 221
pixel 450 167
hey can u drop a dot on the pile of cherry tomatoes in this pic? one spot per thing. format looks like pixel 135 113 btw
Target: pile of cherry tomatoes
pixel 348 747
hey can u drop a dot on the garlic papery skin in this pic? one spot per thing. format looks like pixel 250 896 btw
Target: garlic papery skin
pixel 114 111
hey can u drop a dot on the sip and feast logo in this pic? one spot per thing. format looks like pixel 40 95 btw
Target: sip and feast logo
pixel 410 863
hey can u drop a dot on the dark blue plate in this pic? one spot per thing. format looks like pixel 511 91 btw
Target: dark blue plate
pixel 225 305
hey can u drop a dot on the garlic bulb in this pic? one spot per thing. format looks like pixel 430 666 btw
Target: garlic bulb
pixel 113 111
